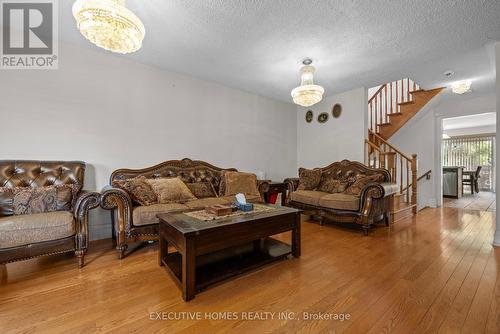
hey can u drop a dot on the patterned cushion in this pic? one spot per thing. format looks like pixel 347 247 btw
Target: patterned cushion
pixel 239 182
pixel 146 215
pixel 170 190
pixel 222 184
pixel 309 179
pixel 361 181
pixel 202 189
pixel 6 199
pixel 138 189
pixel 29 201
pixel 27 229
pixel 332 186
pixel 66 196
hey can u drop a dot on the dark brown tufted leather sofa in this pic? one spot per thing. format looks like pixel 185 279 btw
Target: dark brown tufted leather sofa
pixel 371 206
pixel 127 226
pixel 23 173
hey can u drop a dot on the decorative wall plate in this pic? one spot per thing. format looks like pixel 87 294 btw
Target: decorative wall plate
pixel 323 117
pixel 336 110
pixel 309 116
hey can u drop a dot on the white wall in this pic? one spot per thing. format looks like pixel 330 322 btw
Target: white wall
pixel 419 137
pixel 112 112
pixel 319 145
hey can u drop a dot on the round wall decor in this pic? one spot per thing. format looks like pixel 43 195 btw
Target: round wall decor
pixel 323 117
pixel 336 110
pixel 309 116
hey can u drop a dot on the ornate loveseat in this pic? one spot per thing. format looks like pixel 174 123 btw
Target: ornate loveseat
pixel 31 235
pixel 133 222
pixel 370 204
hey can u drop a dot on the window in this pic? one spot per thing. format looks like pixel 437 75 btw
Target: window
pixel 470 152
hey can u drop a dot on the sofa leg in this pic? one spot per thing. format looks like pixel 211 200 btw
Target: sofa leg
pixel 121 250
pixel 387 219
pixel 321 221
pixel 80 254
pixel 366 229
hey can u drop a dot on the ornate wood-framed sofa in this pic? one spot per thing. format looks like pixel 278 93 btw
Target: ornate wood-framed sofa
pixel 372 204
pixel 134 223
pixel 28 236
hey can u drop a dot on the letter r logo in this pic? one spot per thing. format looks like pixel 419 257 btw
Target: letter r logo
pixel 28 28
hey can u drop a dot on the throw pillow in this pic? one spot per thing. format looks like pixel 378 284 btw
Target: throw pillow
pixel 361 181
pixel 222 184
pixel 309 179
pixel 34 200
pixel 139 190
pixel 66 196
pixel 6 198
pixel 202 189
pixel 238 182
pixel 170 190
pixel 332 186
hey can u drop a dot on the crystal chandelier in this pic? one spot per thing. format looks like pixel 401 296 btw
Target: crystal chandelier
pixel 307 94
pixel 461 87
pixel 109 25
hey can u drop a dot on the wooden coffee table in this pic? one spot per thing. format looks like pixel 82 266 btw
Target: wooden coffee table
pixel 208 252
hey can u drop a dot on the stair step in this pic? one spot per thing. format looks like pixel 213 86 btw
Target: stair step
pixel 407 110
pixel 417 91
pixel 385 124
pixel 400 207
pixel 401 214
pixel 395 114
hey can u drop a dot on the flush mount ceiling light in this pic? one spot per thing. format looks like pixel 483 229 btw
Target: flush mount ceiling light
pixel 307 94
pixel 461 87
pixel 109 25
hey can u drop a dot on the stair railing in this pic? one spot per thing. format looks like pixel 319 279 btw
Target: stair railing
pixel 403 168
pixel 385 101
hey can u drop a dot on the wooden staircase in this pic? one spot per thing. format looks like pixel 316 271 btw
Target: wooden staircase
pixel 390 107
pixel 403 169
pixel 394 104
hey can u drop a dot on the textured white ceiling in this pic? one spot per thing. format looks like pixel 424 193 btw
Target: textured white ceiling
pixel 258 46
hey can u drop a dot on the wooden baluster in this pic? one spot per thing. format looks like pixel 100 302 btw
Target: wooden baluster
pixel 370 116
pixel 401 174
pixel 414 167
pixel 407 181
pixel 407 89
pixel 391 98
pixel 384 110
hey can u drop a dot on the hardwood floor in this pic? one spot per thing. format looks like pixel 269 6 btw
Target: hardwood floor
pixel 436 273
pixel 484 201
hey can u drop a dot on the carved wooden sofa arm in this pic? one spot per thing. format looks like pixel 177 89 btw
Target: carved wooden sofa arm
pixel 371 192
pixel 263 186
pixel 292 184
pixel 86 201
pixel 119 202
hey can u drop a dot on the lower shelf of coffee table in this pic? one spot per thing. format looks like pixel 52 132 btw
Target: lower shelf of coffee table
pixel 221 265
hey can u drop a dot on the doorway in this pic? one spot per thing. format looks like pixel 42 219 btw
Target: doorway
pixel 468 162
